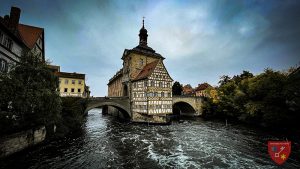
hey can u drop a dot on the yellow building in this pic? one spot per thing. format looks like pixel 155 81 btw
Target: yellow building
pixel 72 85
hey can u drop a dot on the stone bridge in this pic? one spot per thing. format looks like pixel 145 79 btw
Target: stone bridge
pixel 120 103
pixel 188 105
pixel 182 105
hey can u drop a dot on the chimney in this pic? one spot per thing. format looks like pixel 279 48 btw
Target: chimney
pixel 6 20
pixel 14 18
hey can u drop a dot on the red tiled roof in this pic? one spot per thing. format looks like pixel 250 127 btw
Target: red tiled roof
pixel 203 86
pixel 29 34
pixel 147 70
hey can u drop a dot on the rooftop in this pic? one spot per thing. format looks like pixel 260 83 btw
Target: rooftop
pixel 70 75
pixel 147 70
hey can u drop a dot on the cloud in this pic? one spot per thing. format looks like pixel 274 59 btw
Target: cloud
pixel 201 40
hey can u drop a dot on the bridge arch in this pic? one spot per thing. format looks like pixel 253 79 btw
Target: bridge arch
pixel 122 108
pixel 188 105
pixel 183 108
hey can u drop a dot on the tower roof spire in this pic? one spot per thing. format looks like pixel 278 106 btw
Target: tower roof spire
pixel 143 34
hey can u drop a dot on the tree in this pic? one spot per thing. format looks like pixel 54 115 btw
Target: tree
pixel 29 95
pixel 224 79
pixel 177 88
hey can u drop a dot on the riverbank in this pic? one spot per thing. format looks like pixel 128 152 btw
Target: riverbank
pixel 70 120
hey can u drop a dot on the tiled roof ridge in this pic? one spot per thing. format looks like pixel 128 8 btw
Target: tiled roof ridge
pixel 147 70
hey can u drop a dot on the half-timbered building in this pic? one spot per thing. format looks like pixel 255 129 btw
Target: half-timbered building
pixel 145 81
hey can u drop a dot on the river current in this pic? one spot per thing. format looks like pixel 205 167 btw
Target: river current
pixel 105 142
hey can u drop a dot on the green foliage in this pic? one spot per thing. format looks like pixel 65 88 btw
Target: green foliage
pixel 28 96
pixel 72 115
pixel 176 88
pixel 269 99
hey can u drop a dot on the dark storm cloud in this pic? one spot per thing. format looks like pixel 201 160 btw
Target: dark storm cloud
pixel 201 40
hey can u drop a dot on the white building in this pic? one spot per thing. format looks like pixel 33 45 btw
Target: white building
pixel 16 39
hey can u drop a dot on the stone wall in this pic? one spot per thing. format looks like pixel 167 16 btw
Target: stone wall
pixel 16 142
pixel 154 119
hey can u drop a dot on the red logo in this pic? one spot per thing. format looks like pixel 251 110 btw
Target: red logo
pixel 279 151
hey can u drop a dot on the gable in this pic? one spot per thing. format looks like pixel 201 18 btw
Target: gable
pixel 160 72
pixel 29 34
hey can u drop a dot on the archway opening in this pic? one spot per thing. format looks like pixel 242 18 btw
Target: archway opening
pixel 183 109
pixel 113 110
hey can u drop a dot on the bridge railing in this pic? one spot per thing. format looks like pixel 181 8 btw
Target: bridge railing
pixel 108 98
pixel 183 96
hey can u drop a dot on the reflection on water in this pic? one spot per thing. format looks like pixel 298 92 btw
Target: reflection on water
pixel 107 143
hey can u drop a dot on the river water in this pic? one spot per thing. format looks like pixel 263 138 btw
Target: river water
pixel 106 142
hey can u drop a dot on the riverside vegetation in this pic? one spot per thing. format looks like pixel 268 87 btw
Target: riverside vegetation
pixel 269 99
pixel 29 98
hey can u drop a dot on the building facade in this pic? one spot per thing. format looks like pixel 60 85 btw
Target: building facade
pixel 188 90
pixel 145 80
pixel 72 85
pixel 17 39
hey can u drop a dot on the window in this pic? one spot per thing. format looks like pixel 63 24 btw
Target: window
pixel 134 85
pixel 8 43
pixel 160 84
pixel 152 83
pixel 79 81
pixel 3 66
pixel 169 94
pixel 79 90
pixel 145 84
pixel 155 94
pixel 72 90
pixel 66 90
pixel 162 94
pixel 73 81
pixel 66 81
pixel 134 94
pixel 168 84
pixel 141 62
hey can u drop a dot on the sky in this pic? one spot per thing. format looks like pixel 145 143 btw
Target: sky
pixel 201 40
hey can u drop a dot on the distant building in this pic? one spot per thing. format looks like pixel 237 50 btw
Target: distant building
pixel 54 68
pixel 188 90
pixel 72 85
pixel 206 90
pixel 16 39
pixel 145 80
pixel 201 90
